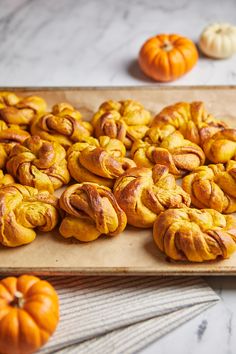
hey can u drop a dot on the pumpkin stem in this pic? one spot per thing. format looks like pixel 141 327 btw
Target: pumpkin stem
pixel 18 300
pixel 167 46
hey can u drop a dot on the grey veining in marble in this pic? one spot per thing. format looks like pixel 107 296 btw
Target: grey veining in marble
pixel 96 42
pixel 214 331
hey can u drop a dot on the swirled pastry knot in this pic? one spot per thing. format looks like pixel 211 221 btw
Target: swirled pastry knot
pixel 213 186
pixel 91 210
pixel 20 110
pixel 9 136
pixel 63 125
pixel 23 209
pixel 39 163
pixel 178 154
pixel 124 120
pixel 195 235
pixel 99 160
pixel 144 193
pixel 190 119
pixel 221 147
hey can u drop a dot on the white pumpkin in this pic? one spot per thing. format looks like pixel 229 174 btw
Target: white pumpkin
pixel 218 40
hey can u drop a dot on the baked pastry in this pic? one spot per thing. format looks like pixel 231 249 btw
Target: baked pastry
pixel 39 163
pixel 20 110
pixel 144 193
pixel 195 235
pixel 91 210
pixel 9 136
pixel 5 179
pixel 190 119
pixel 23 209
pixel 124 120
pixel 63 125
pixel 221 147
pixel 213 186
pixel 98 160
pixel 178 154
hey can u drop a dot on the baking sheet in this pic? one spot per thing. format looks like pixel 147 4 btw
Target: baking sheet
pixel 133 251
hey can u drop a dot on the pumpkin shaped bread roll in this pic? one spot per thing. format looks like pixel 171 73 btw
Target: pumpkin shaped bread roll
pixel 144 193
pixel 10 135
pixel 213 186
pixel 178 154
pixel 39 163
pixel 20 110
pixel 221 147
pixel 195 235
pixel 98 160
pixel 190 119
pixel 91 210
pixel 23 209
pixel 124 120
pixel 63 125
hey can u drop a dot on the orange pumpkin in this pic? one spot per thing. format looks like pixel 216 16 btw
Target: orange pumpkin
pixel 29 313
pixel 166 57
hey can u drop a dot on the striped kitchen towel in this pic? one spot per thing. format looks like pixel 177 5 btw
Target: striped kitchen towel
pixel 123 314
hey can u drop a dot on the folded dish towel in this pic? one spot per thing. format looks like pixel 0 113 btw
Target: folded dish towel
pixel 123 314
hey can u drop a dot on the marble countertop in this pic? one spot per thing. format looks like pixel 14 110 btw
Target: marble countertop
pixel 95 43
pixel 92 42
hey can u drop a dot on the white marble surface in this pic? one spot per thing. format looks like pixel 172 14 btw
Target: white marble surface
pixel 95 42
pixel 212 332
pixel 89 42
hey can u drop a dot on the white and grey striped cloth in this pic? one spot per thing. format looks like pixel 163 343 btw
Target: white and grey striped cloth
pixel 117 315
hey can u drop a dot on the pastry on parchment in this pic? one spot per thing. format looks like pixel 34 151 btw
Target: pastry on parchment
pixel 39 163
pixel 195 235
pixel 144 193
pixel 63 125
pixel 91 210
pixel 23 209
pixel 99 160
pixel 20 110
pixel 180 155
pixel 213 186
pixel 190 119
pixel 221 147
pixel 10 135
pixel 125 120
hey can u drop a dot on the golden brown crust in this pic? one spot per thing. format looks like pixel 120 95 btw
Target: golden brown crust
pixel 221 147
pixel 9 136
pixel 39 163
pixel 12 133
pixel 190 119
pixel 20 110
pixel 98 160
pixel 91 210
pixel 21 210
pixel 195 235
pixel 63 125
pixel 144 193
pixel 178 154
pixel 213 186
pixel 124 120
pixel 5 179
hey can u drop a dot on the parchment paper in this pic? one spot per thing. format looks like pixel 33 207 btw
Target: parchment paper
pixel 132 252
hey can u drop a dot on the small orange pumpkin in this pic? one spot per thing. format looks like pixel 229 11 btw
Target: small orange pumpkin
pixel 166 57
pixel 29 313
